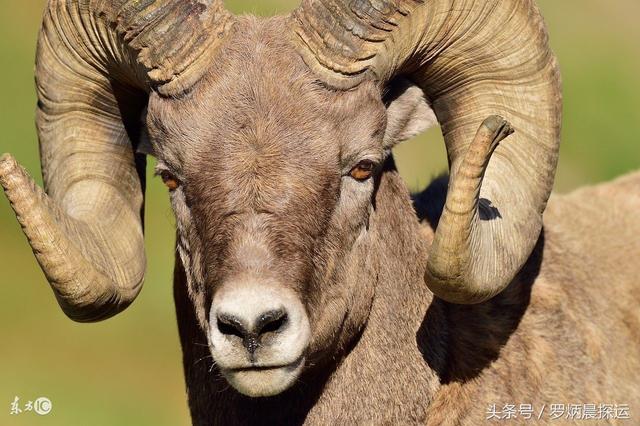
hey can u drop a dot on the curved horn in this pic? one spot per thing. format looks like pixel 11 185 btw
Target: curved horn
pixel 473 59
pixel 97 60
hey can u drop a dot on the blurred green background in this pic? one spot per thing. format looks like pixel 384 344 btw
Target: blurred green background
pixel 127 371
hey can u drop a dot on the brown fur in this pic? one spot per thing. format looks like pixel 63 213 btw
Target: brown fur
pixel 264 156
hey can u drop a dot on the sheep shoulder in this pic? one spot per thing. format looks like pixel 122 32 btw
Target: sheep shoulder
pixel 567 329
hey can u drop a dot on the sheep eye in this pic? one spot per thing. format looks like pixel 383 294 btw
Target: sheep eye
pixel 363 170
pixel 169 180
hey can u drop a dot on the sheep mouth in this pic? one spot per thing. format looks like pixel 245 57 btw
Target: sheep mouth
pixel 262 381
pixel 257 368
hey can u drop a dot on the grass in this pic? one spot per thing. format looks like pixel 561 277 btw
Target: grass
pixel 128 369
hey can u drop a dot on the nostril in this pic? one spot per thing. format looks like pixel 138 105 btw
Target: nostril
pixel 272 321
pixel 231 326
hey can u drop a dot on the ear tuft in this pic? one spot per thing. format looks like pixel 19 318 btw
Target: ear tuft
pixel 408 112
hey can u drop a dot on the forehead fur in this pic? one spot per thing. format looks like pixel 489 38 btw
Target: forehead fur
pixel 260 96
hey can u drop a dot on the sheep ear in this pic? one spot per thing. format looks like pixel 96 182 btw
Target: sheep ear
pixel 144 145
pixel 408 112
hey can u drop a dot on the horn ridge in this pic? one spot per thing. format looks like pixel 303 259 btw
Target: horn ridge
pixel 473 59
pixel 96 62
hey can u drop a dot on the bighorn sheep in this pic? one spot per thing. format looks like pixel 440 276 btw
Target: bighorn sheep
pixel 322 297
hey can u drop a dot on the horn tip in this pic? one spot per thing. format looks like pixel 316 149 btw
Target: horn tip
pixel 12 174
pixel 494 122
pixel 499 127
pixel 7 161
pixel 8 166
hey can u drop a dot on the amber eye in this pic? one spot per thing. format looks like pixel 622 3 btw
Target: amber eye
pixel 363 170
pixel 169 180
